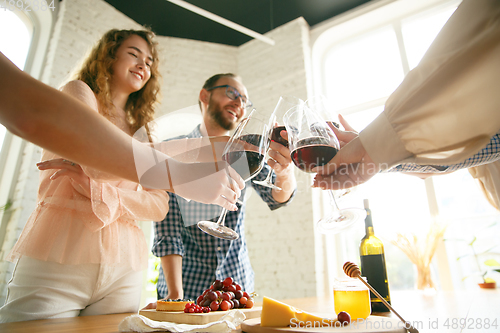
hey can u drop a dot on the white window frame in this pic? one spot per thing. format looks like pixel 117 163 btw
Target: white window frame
pixel 16 152
pixel 42 23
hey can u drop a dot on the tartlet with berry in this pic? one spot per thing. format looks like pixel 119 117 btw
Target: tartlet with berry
pixel 172 304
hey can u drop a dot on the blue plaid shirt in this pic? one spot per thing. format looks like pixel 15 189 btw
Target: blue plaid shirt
pixel 204 257
pixel 488 154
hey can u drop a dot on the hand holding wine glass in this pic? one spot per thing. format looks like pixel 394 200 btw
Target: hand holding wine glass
pixel 322 106
pixel 314 144
pixel 285 103
pixel 244 153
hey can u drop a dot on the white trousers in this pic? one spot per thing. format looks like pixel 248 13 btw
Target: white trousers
pixel 43 289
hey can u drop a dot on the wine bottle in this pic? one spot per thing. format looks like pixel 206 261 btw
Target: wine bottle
pixel 373 266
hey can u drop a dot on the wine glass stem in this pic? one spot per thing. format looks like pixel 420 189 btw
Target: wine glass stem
pixel 332 198
pixel 269 176
pixel 222 217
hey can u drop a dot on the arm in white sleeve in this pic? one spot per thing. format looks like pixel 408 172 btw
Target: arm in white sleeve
pixel 448 107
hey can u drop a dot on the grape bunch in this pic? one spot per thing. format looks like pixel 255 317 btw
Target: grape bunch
pixel 224 295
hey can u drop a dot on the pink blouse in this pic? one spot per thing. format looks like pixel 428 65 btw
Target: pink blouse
pixel 70 227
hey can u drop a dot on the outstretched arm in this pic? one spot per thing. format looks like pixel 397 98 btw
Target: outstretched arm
pixel 68 127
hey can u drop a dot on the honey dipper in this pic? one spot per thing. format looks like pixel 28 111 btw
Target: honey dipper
pixel 352 270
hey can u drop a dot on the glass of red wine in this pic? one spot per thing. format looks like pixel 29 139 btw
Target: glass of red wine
pixel 285 103
pixel 245 153
pixel 321 105
pixel 312 144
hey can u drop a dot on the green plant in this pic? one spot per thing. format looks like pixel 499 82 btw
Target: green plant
pixel 154 272
pixel 489 266
pixel 6 206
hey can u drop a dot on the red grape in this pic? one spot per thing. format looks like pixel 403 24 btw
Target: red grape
pixel 249 303
pixel 217 285
pixel 231 288
pixel 236 303
pixel 238 294
pixel 344 318
pixel 237 286
pixel 226 296
pixel 225 305
pixel 214 306
pixel 228 281
pixel 212 296
pixel 243 300
pixel 199 299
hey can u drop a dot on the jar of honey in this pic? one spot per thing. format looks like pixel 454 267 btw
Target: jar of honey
pixel 352 296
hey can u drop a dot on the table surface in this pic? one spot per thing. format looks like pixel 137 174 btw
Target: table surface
pixel 441 312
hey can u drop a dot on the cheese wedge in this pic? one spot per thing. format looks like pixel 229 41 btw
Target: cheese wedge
pixel 277 314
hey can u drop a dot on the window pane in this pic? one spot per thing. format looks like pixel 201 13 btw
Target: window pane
pixel 363 69
pixel 14 44
pixel 419 32
pixel 464 207
pixel 361 119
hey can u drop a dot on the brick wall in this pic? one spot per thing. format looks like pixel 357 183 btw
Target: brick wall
pixel 281 243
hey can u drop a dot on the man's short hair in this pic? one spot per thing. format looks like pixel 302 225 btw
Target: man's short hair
pixel 212 81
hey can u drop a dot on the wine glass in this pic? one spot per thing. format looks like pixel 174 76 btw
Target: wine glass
pixel 322 106
pixel 313 144
pixel 244 152
pixel 285 103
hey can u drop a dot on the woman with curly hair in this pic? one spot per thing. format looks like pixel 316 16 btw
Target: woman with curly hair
pixel 81 252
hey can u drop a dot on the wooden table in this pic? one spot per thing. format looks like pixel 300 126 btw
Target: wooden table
pixel 427 313
pixel 89 324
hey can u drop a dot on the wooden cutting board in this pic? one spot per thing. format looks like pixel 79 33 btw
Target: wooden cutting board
pixel 195 318
pixel 371 325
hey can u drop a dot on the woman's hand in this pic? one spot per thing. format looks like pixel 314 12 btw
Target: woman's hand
pixel 350 167
pixel 345 136
pixel 65 168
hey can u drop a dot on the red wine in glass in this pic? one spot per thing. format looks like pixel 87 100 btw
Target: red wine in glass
pixel 312 152
pixel 253 162
pixel 245 168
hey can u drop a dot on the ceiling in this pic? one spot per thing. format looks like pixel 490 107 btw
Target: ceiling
pixel 168 19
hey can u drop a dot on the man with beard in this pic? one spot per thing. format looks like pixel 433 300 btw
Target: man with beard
pixel 191 259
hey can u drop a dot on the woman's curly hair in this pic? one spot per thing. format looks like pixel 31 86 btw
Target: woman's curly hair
pixel 97 69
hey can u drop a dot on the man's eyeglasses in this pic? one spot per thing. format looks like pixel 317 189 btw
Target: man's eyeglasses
pixel 233 94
